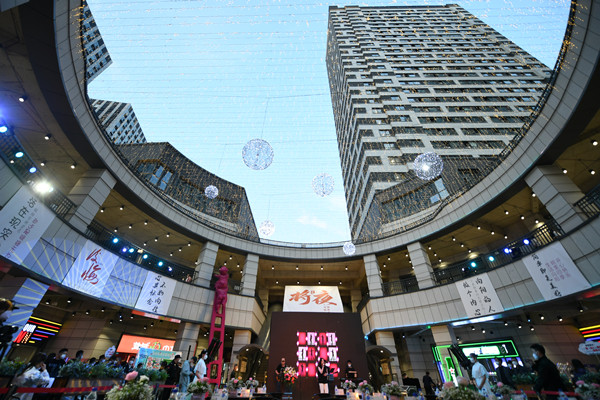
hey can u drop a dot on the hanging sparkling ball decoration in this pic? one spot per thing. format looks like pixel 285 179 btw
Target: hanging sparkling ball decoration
pixel 428 166
pixel 349 248
pixel 211 191
pixel 323 184
pixel 257 154
pixel 267 228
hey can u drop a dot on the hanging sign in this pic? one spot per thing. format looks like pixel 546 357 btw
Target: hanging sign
pixel 156 294
pixel 91 269
pixel 312 299
pixel 479 296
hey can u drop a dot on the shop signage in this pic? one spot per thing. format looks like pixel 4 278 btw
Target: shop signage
pixel 22 222
pixel 554 273
pixel 37 330
pixel 151 358
pixel 156 294
pixel 132 344
pixel 312 299
pixel 479 296
pixel 591 334
pixel 91 269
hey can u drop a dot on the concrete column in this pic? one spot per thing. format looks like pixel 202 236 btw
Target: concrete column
pixel 373 277
pixel 421 264
pixel 88 194
pixel 206 264
pixel 355 298
pixel 443 335
pixel 264 297
pixel 187 339
pixel 386 339
pixel 249 275
pixel 558 193
pixel 241 338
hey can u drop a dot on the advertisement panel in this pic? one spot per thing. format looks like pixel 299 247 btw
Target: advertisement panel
pixel 151 358
pixel 132 344
pixel 312 299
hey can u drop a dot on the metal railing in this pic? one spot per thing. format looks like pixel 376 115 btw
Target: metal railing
pixel 590 203
pixel 405 285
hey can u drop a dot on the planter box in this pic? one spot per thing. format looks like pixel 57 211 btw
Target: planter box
pixel 65 382
pixel 5 380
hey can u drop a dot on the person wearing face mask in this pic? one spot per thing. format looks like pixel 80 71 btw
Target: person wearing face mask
pixel 351 373
pixel 200 370
pixel 548 376
pixel 57 363
pixel 480 375
pixel 34 375
pixel 517 369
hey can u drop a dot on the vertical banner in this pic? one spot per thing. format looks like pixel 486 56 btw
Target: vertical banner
pixel 554 273
pixel 479 296
pixel 156 294
pixel 312 299
pixel 91 269
pixel 22 222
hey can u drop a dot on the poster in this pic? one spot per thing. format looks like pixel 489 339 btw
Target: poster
pixel 151 358
pixel 479 296
pixel 22 221
pixel 554 273
pixel 91 269
pixel 312 299
pixel 132 344
pixel 156 294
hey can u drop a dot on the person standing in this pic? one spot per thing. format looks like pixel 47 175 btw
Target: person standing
pixel 279 375
pixel 428 384
pixel 173 372
pixel 503 374
pixel 351 373
pixel 548 376
pixel 322 372
pixel 34 375
pixel 480 375
pixel 57 363
pixel 200 370
pixel 187 372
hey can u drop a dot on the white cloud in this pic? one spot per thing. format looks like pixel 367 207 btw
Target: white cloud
pixel 312 221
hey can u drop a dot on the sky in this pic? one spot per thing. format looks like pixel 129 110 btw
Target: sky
pixel 208 76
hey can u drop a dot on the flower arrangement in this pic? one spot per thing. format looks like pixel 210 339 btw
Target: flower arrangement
pixel 588 391
pixel 290 375
pixel 136 387
pixel 364 387
pixel 461 392
pixel 235 384
pixel 348 385
pixel 392 389
pixel 500 389
pixel 80 370
pixel 155 375
pixel 251 383
pixel 199 387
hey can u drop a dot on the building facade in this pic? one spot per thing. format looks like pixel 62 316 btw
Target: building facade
pixel 94 49
pixel 410 80
pixel 119 121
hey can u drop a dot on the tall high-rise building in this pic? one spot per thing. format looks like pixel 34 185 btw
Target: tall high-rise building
pixel 96 54
pixel 119 121
pixel 411 80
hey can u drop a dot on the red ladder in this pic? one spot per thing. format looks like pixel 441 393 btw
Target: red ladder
pixel 217 327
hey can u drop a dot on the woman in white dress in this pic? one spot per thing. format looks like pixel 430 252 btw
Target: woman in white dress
pixel 34 375
pixel 200 370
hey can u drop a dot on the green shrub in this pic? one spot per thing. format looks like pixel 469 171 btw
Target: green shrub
pixel 10 367
pixel 155 375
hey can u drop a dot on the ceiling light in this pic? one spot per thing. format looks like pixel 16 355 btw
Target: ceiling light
pixel 542 317
pixel 462 245
pixel 116 229
pixel 594 142
pixel 146 222
pixel 156 239
pixel 532 194
pixel 506 212
pixel 122 207
pixel 319 282
pixel 470 251
pixel 505 236
pixel 43 163
pixel 505 323
pixel 519 326
pixel 478 227
pixel 522 217
pixel 189 244
pixel 48 136
pixel 74 165
pixel 181 249
pixel 102 209
pixel 482 330
pixel 346 268
pixel 145 327
pixel 145 243
pixel 526 241
pixel 492 232
pixel 296 268
pixel 531 328
pixel 272 267
pixel 453 239
pixel 384 265
pixel 297 282
pixel 130 226
pixel 560 319
pixel 87 312
pixel 277 282
pixel 22 99
pixel 472 328
pixel 564 170
pixel 340 282
pixel 171 254
pixel 429 247
pixel 389 258
pixel 537 221
pixel 580 308
pixel 322 267
pixel 592 172
pixel 528 318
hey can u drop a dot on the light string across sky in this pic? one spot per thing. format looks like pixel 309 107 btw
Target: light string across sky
pixel 210 76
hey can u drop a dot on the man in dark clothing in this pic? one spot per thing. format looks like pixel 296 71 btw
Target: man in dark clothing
pixel 173 371
pixel 548 375
pixel 428 384
pixel 57 363
pixel 503 374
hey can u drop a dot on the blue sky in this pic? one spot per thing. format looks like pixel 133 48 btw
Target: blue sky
pixel 208 76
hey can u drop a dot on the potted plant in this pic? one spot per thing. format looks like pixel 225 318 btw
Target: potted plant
pixel 502 390
pixel 251 384
pixel 393 390
pixel 8 369
pixel 588 391
pixel 199 389
pixel 364 387
pixel 79 374
pixel 156 376
pixel 289 378
pixel 460 392
pixel 348 385
pixel 524 381
pixel 136 387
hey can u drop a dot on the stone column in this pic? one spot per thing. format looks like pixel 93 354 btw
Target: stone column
pixel 249 275
pixel 443 335
pixel 558 193
pixel 373 277
pixel 241 338
pixel 206 264
pixel 355 298
pixel 187 339
pixel 88 194
pixel 264 298
pixel 422 264
pixel 386 339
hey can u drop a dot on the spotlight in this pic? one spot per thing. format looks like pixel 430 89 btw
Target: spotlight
pixel 542 317
pixel 482 330
pixel 505 236
pixel 525 241
pixel 179 249
pixel 130 226
pixel 522 217
pixel 131 316
pixel 340 282
pixel 346 268
pixel 171 254
pixel 69 300
pixel 74 165
pixel 103 309
pixel 478 227
pixel 73 314
pixel 429 247
pixel 19 154
pixel 594 142
pixel 319 282
pixel 22 99
pixel 170 269
pixel 272 267
pixel 519 326
pixel 506 212
pixel 296 268
pixel 175 331
pixel 592 172
pixel 389 258
pixel 116 229
pixel 160 263
pixel 146 222
pixel 102 209
pixel 145 243
pixel 230 257
pixel 151 324
pixel 43 163
pixel 528 318
pixel 122 207
pixel 48 136
pixel 462 245
pixel 532 194
pixel 580 308
pixel 131 249
pixel 537 221
pixel 322 267
pixel 453 239
pixel 491 258
pixel 564 170
pixel 145 327
pixel 47 302
pixel 474 264
pixel 469 251
pixel 3 128
pixel 277 282
pixel 507 250
pixel 115 240
pixel 472 328
pixel 505 323
pixel 145 256
pixel 297 282
pixel 492 233
pixel 32 170
pixel 189 244
pixel 531 328
pixel 168 234
pixel 238 265
pixel 110 322
pixel 124 250
pixel 560 319
pixel 156 239
pixel 87 312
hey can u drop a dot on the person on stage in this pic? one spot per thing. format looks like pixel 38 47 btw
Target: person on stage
pixel 322 372
pixel 351 373
pixel 279 375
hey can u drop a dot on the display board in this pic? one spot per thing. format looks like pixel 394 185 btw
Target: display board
pixel 151 358
pixel 312 299
pixel 132 344
pixel 479 296
pixel 302 338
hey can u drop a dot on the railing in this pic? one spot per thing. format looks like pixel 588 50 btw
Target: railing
pixel 17 159
pixel 233 286
pixel 405 285
pixel 590 203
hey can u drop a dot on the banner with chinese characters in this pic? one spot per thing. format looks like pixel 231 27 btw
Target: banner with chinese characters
pixel 479 296
pixel 132 344
pixel 312 299
pixel 23 220
pixel 156 294
pixel 91 269
pixel 554 273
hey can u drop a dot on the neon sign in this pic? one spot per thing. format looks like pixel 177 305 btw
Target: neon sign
pixel 37 330
pixel 313 346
